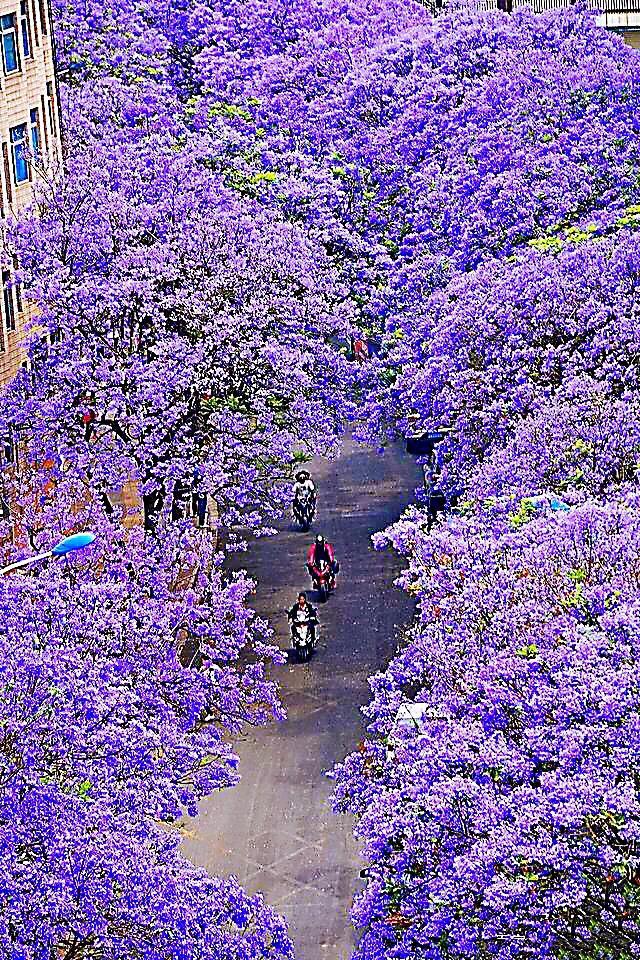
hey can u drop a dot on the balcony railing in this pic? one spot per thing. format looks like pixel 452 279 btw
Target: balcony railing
pixel 614 13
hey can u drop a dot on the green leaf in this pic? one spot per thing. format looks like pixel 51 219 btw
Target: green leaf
pixel 84 789
pixel 528 652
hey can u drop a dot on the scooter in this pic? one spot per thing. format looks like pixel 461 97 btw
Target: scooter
pixel 303 639
pixel 324 580
pixel 304 509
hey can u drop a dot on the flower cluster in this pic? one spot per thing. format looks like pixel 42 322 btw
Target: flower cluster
pixel 496 793
pixel 507 816
pixel 118 700
pixel 246 185
pixel 183 333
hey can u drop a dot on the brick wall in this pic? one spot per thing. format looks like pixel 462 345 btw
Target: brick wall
pixel 29 123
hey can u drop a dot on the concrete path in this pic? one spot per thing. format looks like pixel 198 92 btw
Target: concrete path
pixel 275 831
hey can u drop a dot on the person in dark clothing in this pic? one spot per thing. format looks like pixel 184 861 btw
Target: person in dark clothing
pixel 304 612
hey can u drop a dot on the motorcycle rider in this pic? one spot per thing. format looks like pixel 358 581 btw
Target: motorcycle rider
pixel 304 612
pixel 304 499
pixel 304 486
pixel 320 553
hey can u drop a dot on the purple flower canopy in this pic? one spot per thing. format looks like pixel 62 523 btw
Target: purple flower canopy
pixel 246 184
pixel 505 189
pixel 189 329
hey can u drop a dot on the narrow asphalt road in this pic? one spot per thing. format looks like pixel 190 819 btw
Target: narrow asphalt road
pixel 275 831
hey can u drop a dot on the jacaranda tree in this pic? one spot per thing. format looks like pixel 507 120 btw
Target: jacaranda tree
pixel 183 334
pixel 119 696
pixel 505 821
pixel 244 185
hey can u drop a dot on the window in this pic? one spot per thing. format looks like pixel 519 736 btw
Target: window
pixel 44 18
pixel 34 23
pixel 43 114
pixel 35 133
pixel 17 287
pixel 9 35
pixel 51 98
pixel 7 449
pixel 25 30
pixel 7 172
pixel 9 305
pixel 18 137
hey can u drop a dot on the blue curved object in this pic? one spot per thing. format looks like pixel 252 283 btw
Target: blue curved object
pixel 556 504
pixel 546 502
pixel 77 541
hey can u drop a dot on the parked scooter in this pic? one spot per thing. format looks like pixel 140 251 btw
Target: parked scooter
pixel 304 500
pixel 303 623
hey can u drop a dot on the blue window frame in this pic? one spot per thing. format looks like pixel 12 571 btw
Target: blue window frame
pixel 9 305
pixel 18 136
pixel 35 133
pixel 25 29
pixel 9 34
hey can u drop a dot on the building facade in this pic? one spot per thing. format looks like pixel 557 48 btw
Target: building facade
pixel 620 16
pixel 29 138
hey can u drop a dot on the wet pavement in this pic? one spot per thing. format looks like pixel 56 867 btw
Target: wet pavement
pixel 276 831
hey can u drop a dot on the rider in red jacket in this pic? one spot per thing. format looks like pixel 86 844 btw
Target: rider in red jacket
pixel 320 552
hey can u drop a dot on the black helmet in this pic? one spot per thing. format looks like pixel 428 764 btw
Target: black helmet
pixel 320 540
pixel 301 476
